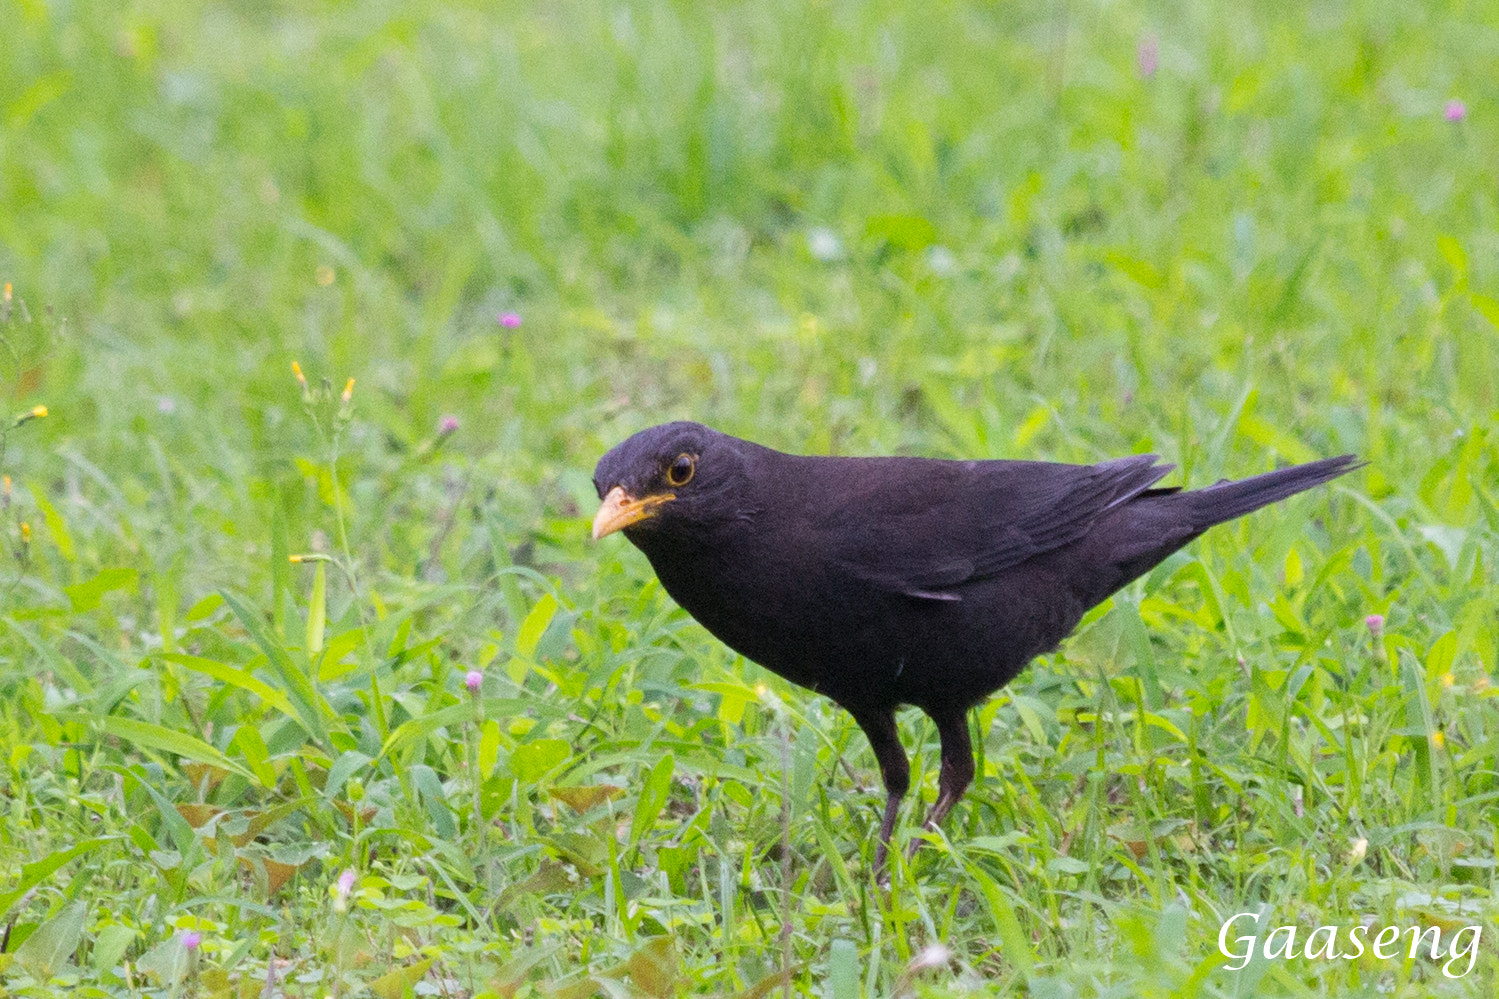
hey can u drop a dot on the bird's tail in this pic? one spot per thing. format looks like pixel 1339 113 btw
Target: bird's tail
pixel 1227 500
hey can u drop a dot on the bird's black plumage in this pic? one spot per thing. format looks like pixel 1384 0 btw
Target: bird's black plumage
pixel 889 581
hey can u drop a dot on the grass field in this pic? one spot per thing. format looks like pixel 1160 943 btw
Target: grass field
pixel 1231 234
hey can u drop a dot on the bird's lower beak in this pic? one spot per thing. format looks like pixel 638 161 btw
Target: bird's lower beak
pixel 619 510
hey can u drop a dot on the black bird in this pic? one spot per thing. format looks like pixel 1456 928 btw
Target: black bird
pixel 887 581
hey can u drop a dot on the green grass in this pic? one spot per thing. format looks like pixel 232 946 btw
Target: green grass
pixel 946 230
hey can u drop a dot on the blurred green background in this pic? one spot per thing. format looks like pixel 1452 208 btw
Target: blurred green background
pixel 1237 235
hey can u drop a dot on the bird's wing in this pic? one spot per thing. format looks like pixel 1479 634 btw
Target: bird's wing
pixel 924 528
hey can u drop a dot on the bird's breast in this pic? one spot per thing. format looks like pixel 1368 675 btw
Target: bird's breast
pixel 794 615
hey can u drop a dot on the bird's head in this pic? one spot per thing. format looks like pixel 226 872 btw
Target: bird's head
pixel 674 477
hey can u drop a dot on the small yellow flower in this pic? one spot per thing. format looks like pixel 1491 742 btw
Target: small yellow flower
pixel 1438 739
pixel 25 533
pixel 294 558
pixel 348 391
pixel 296 369
pixel 34 413
pixel 1448 679
pixel 7 293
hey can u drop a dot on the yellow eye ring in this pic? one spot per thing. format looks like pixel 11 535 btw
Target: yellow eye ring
pixel 679 473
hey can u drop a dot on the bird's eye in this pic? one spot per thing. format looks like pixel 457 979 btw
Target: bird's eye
pixel 680 472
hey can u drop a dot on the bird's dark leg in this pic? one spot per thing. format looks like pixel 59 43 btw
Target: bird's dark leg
pixel 879 727
pixel 957 768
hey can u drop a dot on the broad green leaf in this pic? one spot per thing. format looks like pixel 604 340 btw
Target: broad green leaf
pixel 1452 252
pixel 510 975
pixel 453 714
pixel 843 970
pixel 335 650
pixel 535 625
pixel 168 741
pixel 87 596
pixel 50 947
pixel 1294 573
pixel 426 781
pixel 311 710
pixel 38 93
pixel 1030 713
pixel 343 768
pixel 55 525
pixel 175 826
pixel 257 756
pixel 1013 940
pixel 110 944
pixel 652 799
pixel 1419 726
pixel 1165 725
pixel 489 748
pixel 534 760
pixel 461 713
pixel 34 873
pixel 204 608
pixel 168 962
pixel 1031 426
pixel 1441 656
pixel 233 676
pixel 394 984
pixel 1487 307
pixel 55 660
pixel 317 609
pixel 905 232
pixel 1140 271
pixel 1138 636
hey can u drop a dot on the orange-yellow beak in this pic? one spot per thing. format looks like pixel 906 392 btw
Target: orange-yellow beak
pixel 619 510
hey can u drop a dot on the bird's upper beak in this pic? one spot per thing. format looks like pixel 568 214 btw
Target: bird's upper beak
pixel 619 510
